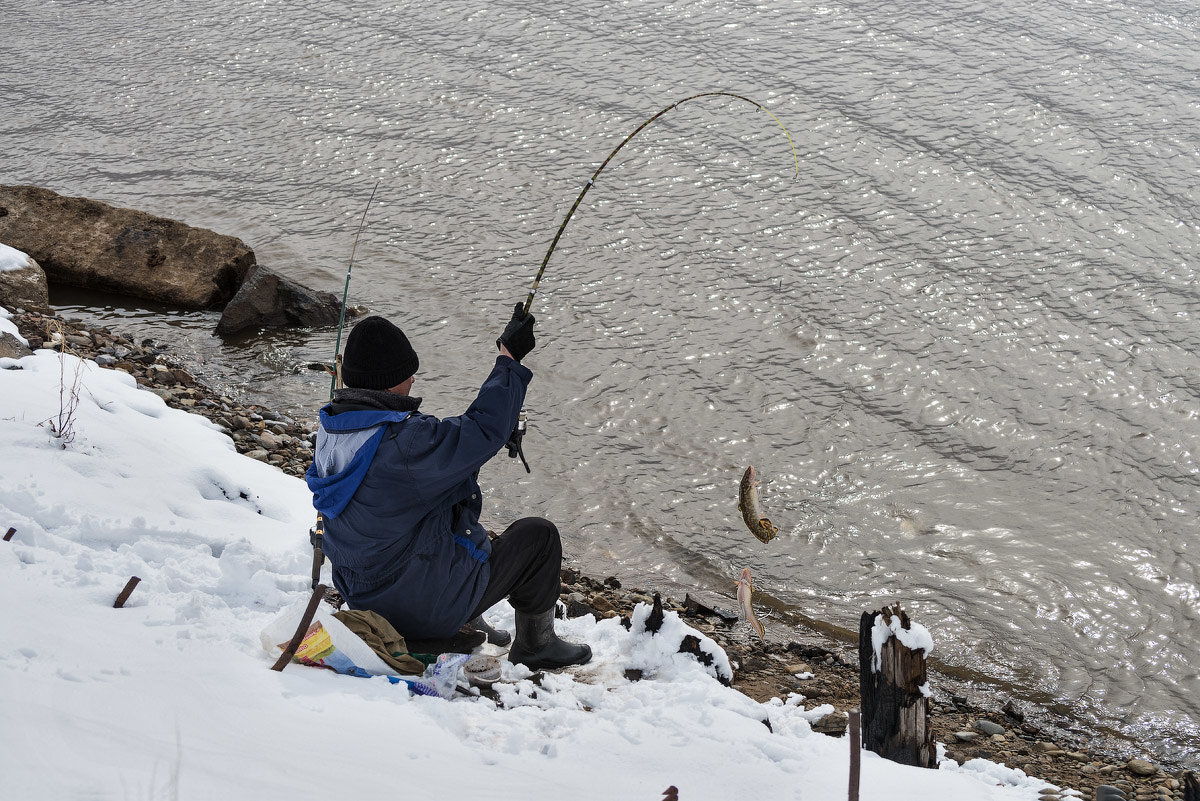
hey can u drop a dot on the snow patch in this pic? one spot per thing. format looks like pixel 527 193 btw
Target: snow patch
pixel 13 259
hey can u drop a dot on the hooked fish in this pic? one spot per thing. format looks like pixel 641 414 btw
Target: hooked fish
pixel 743 596
pixel 748 505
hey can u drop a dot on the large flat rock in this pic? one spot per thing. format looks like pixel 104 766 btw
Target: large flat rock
pixel 92 245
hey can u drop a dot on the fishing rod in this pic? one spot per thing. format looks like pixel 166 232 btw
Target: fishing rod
pixel 591 181
pixel 515 439
pixel 335 380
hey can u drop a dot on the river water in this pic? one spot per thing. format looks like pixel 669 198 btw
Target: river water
pixel 959 345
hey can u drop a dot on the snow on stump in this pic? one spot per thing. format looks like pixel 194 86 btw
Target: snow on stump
pixel 892 683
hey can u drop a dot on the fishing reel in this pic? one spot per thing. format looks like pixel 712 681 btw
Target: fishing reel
pixel 514 442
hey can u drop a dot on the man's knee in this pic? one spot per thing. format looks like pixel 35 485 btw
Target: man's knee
pixel 537 533
pixel 536 527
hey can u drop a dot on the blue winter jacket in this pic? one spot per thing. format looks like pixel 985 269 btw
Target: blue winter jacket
pixel 401 504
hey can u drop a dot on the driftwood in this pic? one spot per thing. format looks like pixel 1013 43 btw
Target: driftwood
pixel 125 593
pixel 895 713
pixel 305 621
pixel 9 535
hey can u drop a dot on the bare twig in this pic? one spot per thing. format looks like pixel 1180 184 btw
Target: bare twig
pixel 62 426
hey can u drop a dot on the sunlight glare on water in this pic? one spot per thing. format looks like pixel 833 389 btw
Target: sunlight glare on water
pixel 959 348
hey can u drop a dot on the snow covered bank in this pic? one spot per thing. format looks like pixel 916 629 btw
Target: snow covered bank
pixel 171 696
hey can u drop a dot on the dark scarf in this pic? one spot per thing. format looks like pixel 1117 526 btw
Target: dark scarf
pixel 353 398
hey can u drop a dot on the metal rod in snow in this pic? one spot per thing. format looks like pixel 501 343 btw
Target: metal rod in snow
pixel 125 593
pixel 855 754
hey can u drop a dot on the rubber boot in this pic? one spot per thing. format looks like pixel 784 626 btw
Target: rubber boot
pixel 537 647
pixel 494 636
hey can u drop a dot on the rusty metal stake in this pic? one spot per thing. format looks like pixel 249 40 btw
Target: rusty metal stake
pixel 855 753
pixel 9 535
pixel 302 629
pixel 125 593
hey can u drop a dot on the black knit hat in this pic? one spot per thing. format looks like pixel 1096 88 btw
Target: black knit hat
pixel 377 356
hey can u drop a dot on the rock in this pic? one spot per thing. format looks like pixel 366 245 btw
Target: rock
pixel 1010 709
pixel 697 606
pixel 270 441
pixel 1141 767
pixel 25 287
pixel 92 245
pixel 833 724
pixel 183 377
pixel 966 736
pixel 601 604
pixel 268 300
pixel 575 607
pixel 12 348
pixel 989 728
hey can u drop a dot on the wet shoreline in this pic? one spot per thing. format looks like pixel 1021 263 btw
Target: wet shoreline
pixel 1050 745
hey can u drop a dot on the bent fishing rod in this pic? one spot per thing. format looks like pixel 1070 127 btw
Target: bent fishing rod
pixel 514 443
pixel 591 181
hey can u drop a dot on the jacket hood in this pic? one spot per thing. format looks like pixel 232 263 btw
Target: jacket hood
pixel 346 444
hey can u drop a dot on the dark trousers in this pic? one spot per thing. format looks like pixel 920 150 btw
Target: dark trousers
pixel 525 562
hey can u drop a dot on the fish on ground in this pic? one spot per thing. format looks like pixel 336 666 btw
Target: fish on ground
pixel 749 506
pixel 744 602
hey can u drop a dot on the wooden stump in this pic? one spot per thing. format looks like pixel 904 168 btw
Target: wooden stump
pixel 895 713
pixel 1191 787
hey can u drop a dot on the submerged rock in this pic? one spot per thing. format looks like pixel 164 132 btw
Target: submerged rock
pixel 268 300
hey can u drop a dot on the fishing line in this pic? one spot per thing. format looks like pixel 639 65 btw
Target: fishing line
pixel 591 181
pixel 335 381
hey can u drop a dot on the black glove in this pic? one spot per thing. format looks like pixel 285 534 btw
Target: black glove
pixel 518 334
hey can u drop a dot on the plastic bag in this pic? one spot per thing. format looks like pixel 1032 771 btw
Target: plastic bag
pixel 329 644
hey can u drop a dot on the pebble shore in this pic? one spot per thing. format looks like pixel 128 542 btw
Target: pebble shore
pixel 820 669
